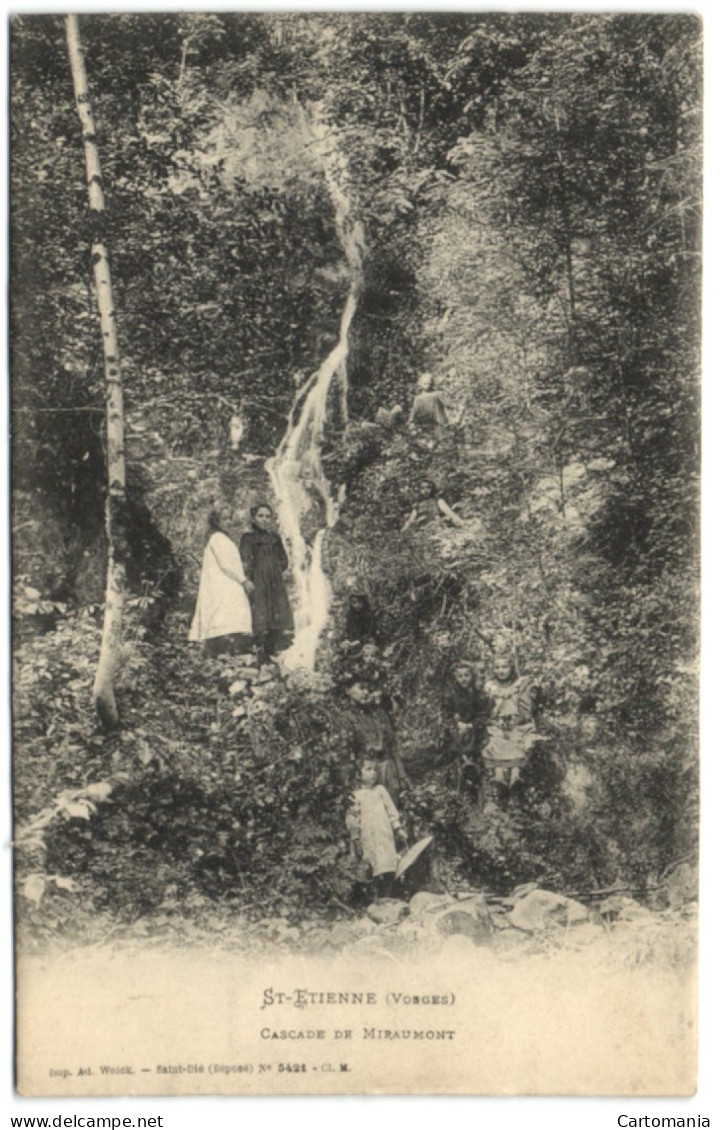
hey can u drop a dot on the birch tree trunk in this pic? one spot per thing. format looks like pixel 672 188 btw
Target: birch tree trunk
pixel 104 686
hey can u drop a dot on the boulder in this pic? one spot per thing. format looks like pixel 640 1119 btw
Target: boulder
pixel 445 915
pixel 387 911
pixel 465 922
pixel 499 920
pixel 539 910
pixel 344 933
pixel 617 906
pixel 414 933
pixel 476 905
pixel 457 945
pixel 634 912
pixel 522 890
pixel 469 917
pixel 576 912
pixel 423 901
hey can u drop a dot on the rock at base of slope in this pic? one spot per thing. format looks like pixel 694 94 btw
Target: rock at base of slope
pixel 539 910
pixel 445 916
pixel 387 912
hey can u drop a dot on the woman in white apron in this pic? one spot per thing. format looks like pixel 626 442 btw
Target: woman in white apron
pixel 222 620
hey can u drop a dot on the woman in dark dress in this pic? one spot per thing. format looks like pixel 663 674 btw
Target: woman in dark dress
pixel 264 561
pixel 370 736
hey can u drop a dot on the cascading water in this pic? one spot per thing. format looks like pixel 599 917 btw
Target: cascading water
pixel 296 470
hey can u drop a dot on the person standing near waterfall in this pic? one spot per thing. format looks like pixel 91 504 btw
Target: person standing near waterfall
pixel 265 561
pixel 428 413
pixel 222 620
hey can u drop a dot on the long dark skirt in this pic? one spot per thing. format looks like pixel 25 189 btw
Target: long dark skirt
pixel 238 643
pixel 264 560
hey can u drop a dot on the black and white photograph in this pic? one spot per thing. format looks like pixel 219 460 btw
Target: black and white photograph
pixel 355 371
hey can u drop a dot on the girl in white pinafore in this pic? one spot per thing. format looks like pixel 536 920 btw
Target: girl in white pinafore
pixel 374 824
pixel 222 619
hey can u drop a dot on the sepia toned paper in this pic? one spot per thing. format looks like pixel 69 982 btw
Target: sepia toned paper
pixel 159 1023
pixel 600 1014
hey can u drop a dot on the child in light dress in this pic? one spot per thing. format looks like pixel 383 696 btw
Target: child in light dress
pixel 511 726
pixel 375 826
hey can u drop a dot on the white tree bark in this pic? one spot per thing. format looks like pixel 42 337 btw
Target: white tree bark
pixel 104 686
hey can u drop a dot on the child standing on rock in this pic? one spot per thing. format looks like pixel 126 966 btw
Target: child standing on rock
pixel 374 826
pixel 511 725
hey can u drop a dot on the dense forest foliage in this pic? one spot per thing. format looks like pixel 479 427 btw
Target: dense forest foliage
pixel 529 190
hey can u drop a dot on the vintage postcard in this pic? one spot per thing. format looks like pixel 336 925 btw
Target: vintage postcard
pixel 355 365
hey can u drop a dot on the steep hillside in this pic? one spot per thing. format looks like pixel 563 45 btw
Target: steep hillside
pixel 306 215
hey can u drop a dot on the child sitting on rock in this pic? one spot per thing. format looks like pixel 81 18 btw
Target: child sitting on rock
pixel 374 826
pixel 430 509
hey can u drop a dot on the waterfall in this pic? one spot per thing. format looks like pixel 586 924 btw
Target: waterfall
pixel 296 470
